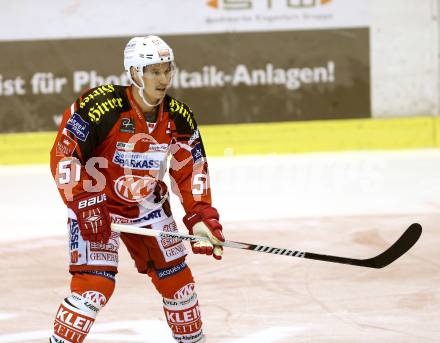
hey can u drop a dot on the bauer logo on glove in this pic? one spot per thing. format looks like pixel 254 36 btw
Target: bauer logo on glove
pixel 92 201
pixel 93 216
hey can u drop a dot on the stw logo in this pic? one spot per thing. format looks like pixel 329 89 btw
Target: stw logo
pixel 266 4
pixel 213 3
pixel 134 188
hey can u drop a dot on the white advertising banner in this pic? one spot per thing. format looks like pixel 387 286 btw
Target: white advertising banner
pixel 59 19
pixel 276 15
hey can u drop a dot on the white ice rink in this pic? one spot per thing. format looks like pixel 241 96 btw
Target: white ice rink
pixel 351 204
pixel 258 187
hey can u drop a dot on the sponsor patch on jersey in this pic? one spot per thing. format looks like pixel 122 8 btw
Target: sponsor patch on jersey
pixel 183 110
pixel 127 125
pixel 125 146
pixel 134 188
pixel 196 153
pixel 106 254
pixel 65 146
pixel 164 273
pixel 172 248
pixel 158 147
pixel 195 135
pixel 95 93
pixel 156 214
pixel 107 275
pixel 112 244
pixel 74 241
pixel 137 160
pixel 78 126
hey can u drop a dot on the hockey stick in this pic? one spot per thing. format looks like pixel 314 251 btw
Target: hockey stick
pixel 401 246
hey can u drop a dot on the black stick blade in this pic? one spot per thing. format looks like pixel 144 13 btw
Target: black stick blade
pixel 400 247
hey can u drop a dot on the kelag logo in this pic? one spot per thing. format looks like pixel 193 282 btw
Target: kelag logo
pixel 231 5
pixel 134 188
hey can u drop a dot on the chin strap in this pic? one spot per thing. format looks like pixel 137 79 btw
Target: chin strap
pixel 141 90
pixel 141 93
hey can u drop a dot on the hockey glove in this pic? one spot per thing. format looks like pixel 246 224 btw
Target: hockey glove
pixel 205 223
pixel 93 216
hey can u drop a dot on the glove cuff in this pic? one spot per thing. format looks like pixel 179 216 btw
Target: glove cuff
pixel 191 218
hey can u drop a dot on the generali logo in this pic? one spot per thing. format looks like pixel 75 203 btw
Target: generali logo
pixel 232 5
pixel 134 188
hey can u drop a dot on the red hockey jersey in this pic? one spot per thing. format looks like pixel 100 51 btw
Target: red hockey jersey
pixel 105 144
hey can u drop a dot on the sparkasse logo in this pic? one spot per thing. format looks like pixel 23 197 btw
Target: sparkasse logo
pixel 231 5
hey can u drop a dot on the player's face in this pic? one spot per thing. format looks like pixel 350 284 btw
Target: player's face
pixel 157 79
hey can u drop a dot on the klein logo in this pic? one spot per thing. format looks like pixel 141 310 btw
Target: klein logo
pixel 231 5
pixel 134 188
pixel 185 316
pixel 81 323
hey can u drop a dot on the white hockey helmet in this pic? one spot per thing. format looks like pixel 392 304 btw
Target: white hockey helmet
pixel 141 52
pixel 144 51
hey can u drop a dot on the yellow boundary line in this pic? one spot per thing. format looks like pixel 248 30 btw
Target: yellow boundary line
pixel 268 138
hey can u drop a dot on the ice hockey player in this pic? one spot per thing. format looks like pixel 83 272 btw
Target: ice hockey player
pixel 108 161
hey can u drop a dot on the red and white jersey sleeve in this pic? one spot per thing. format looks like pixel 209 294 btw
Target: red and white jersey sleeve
pixel 188 166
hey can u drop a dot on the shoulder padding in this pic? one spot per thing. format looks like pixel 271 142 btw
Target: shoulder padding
pixel 182 115
pixel 101 102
